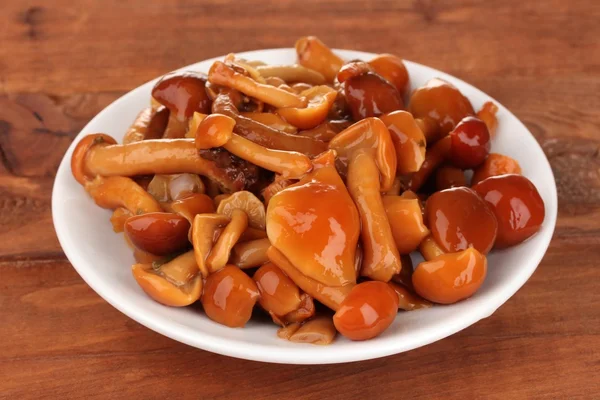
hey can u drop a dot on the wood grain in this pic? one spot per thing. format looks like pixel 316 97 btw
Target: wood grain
pixel 61 62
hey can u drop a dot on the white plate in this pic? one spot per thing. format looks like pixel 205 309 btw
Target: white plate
pixel 103 259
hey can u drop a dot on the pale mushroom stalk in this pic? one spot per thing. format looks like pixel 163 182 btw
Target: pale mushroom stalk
pixel 149 124
pixel 250 254
pixel 121 192
pixel 319 330
pixel 161 156
pixel 222 74
pixel 221 250
pixel 204 231
pixel 381 259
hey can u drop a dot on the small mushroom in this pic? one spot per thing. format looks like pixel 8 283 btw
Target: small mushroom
pixel 441 102
pixel 118 191
pixel 324 132
pixel 249 254
pixel 370 95
pixel 291 73
pixel 304 312
pixel 275 187
pixel 162 156
pixel 158 233
pixel 176 283
pixel 409 141
pixel 315 55
pixel 450 277
pixel 285 332
pixel 496 164
pixel 229 297
pixel 219 254
pixel 167 188
pixel 319 330
pixel 248 202
pixel 149 124
pixel 183 94
pixel 330 296
pixel 372 134
pixel 214 131
pixel 320 100
pixel 381 259
pixel 222 74
pixel 487 114
pixel 205 230
pixel 193 124
pixel 393 69
pixel 271 120
pixel 406 222
pixel 192 205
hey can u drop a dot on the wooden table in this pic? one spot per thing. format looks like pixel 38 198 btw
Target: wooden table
pixel 62 62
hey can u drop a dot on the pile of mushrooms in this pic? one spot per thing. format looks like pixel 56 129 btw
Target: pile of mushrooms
pixel 301 190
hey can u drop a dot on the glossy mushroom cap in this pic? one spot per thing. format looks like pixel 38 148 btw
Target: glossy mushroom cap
pixel 517 204
pixel 459 218
pixel 315 224
pixel 183 94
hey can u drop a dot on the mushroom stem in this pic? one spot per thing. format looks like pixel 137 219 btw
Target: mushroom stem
pixel 221 250
pixel 222 74
pixel 162 156
pixel 149 124
pixel 289 164
pixel 250 254
pixel 319 330
pixel 380 255
pixel 429 248
pixel 204 230
pixel 434 157
pixel 330 296
pixel 118 191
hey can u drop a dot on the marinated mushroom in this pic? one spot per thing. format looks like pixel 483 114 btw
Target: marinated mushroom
pixel 450 277
pixel 370 95
pixel 459 219
pixel 434 157
pixel 248 202
pixel 442 103
pixel 251 253
pixel 487 114
pixel 221 250
pixel 222 74
pixel 176 283
pixel 367 311
pixel 320 100
pixel 496 164
pixel 149 124
pixel 315 55
pixel 370 134
pixel 409 141
pixel 279 295
pixel 517 205
pixel 205 231
pixel 447 177
pixel 120 192
pixel 429 248
pixel 273 121
pixel 406 222
pixel 470 143
pixel 393 69
pixel 319 238
pixel 229 297
pixel 158 233
pixel 118 218
pixel 319 330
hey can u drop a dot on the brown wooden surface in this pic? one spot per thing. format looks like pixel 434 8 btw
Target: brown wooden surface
pixel 62 61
